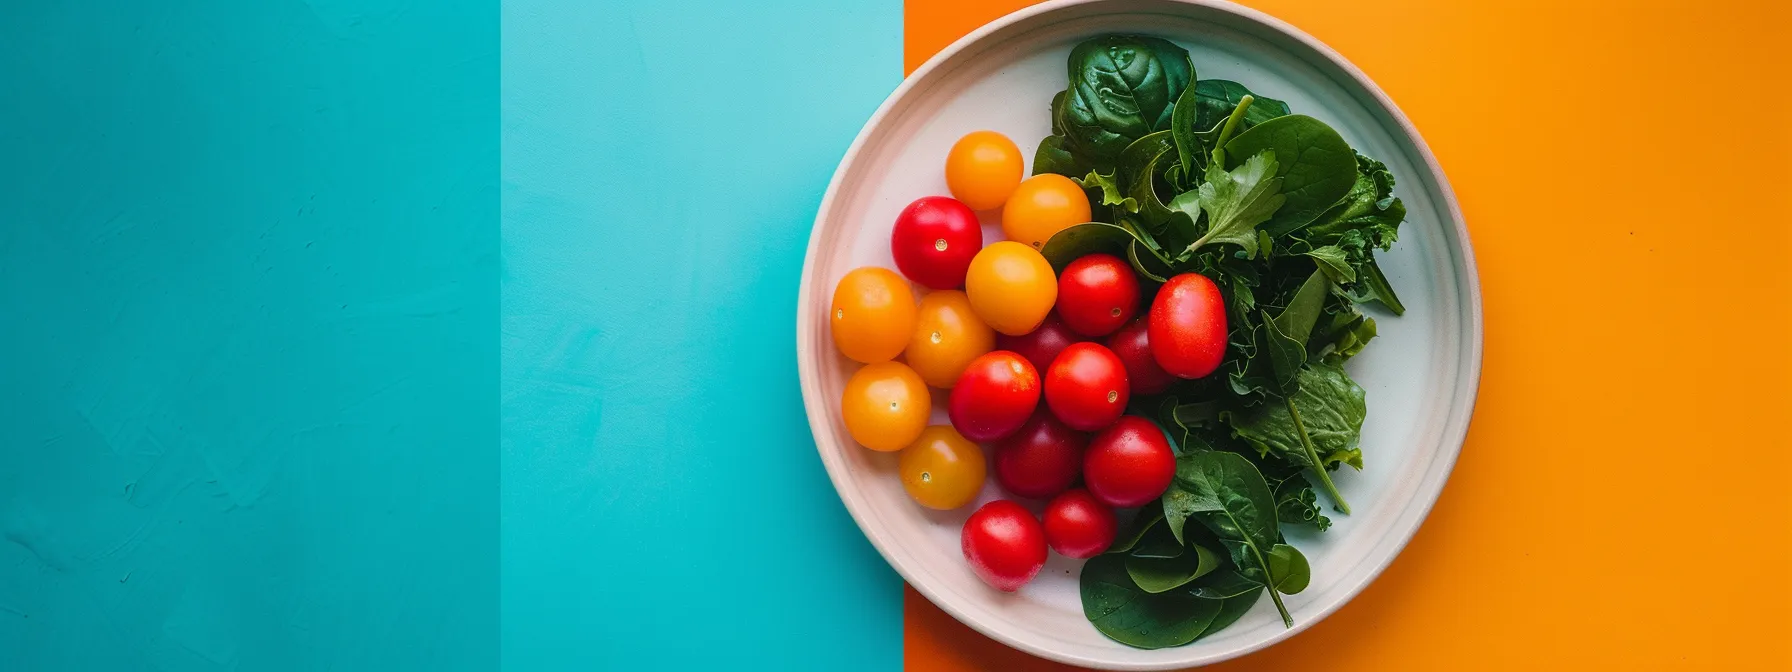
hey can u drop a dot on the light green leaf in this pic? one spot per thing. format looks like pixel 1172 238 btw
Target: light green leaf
pixel 1235 202
pixel 1334 262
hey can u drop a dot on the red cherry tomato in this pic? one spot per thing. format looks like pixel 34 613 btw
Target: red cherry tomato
pixel 1188 326
pixel 994 396
pixel 1004 544
pixel 1042 459
pixel 1086 387
pixel 1129 464
pixel 934 240
pixel 1079 526
pixel 1097 294
pixel 1132 344
pixel 1041 345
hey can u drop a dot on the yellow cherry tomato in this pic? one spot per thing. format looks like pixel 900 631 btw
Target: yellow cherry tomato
pixel 982 169
pixel 1011 286
pixel 948 335
pixel 942 469
pixel 886 406
pixel 873 314
pixel 1041 206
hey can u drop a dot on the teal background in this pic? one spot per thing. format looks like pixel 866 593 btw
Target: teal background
pixel 663 503
pixel 248 317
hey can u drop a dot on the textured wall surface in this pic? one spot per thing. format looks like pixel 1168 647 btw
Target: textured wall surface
pixel 663 501
pixel 248 401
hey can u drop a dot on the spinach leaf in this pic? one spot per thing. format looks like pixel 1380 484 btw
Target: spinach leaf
pixel 1234 608
pixel 1288 570
pixel 1316 166
pixel 1225 584
pixel 1235 201
pixel 1374 287
pixel 1195 120
pixel 1127 614
pixel 1369 206
pixel 1316 427
pixel 1231 498
pixel 1149 265
pixel 1156 575
pixel 1349 332
pixel 1074 242
pixel 1054 157
pixel 1215 99
pixel 1288 332
pixel 1137 173
pixel 1297 505
pixel 1158 543
pixel 1122 87
pixel 1148 517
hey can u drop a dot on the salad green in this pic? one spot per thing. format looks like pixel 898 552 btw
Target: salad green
pixel 1187 175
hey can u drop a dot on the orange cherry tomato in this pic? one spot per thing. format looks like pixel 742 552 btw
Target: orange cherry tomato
pixel 885 406
pixel 942 469
pixel 982 169
pixel 873 314
pixel 1011 286
pixel 948 335
pixel 1043 205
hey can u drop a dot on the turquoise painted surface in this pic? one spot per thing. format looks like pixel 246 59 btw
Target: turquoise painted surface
pixel 663 504
pixel 248 401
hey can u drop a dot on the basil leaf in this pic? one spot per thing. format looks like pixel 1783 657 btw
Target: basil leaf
pixel 1316 166
pixel 1122 87
pixel 1127 614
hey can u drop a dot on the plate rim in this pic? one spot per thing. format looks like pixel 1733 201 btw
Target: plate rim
pixel 1459 416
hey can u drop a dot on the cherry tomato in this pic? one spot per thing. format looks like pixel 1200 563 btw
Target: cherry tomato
pixel 1043 205
pixel 948 335
pixel 886 406
pixel 1188 326
pixel 1004 544
pixel 994 396
pixel 1086 387
pixel 983 168
pixel 1132 344
pixel 1129 464
pixel 1011 286
pixel 942 469
pixel 1042 345
pixel 1097 294
pixel 1042 459
pixel 934 240
pixel 1079 526
pixel 873 314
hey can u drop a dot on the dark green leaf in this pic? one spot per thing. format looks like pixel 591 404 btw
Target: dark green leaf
pixel 1315 164
pixel 1297 505
pixel 1156 575
pixel 1122 87
pixel 1235 202
pixel 1121 610
pixel 1148 517
pixel 1288 570
pixel 1053 157
pixel 1369 207
pixel 1374 287
pixel 1231 610
pixel 1333 261
pixel 1150 266
pixel 1229 496
pixel 1316 427
pixel 1159 542
pixel 1137 171
pixel 1215 99
pixel 1225 584
pixel 1072 243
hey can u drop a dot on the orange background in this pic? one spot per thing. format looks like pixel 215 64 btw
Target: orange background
pixel 1622 500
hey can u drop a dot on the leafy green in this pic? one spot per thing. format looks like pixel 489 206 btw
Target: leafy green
pixel 1230 497
pixel 1197 117
pixel 1297 505
pixel 1083 239
pixel 1235 202
pixel 1288 570
pixel 1155 569
pixel 1316 427
pixel 1334 262
pixel 1148 517
pixel 1122 87
pixel 1316 166
pixel 1225 583
pixel 1126 613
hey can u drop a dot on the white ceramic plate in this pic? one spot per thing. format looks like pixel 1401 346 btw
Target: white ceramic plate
pixel 1420 373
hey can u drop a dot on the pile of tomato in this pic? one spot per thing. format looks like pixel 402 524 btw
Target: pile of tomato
pixel 1039 365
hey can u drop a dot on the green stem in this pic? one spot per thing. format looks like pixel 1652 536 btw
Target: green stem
pixel 1219 147
pixel 1306 442
pixel 1270 585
